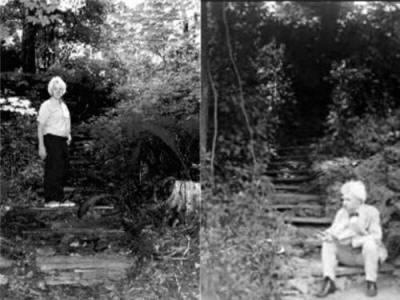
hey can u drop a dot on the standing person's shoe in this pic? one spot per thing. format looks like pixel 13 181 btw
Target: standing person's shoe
pixel 52 204
pixel 328 287
pixel 67 204
pixel 371 289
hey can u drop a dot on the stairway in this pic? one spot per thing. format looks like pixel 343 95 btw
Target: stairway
pixel 69 250
pixel 290 172
pixel 303 207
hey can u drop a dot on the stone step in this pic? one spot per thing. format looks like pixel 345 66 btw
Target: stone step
pixel 316 269
pixel 300 159
pixel 285 198
pixel 309 221
pixel 294 206
pixel 287 187
pixel 294 180
pixel 288 164
pixel 79 162
pixel 286 172
pixel 67 190
pixel 295 147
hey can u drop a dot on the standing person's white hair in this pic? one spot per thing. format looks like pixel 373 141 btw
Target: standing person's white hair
pixel 56 82
pixel 354 189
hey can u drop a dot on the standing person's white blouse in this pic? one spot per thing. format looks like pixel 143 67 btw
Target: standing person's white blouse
pixel 55 118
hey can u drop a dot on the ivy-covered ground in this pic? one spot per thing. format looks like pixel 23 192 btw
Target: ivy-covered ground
pixel 163 262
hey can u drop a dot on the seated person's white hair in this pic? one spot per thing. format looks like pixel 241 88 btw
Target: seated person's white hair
pixel 354 189
pixel 56 82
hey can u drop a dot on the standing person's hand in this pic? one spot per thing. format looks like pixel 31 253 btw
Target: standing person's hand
pixel 42 152
pixel 69 140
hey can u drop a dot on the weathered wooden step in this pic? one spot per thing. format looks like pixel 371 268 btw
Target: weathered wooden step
pixel 285 198
pixel 84 277
pixel 73 208
pixel 96 232
pixel 65 262
pixel 83 270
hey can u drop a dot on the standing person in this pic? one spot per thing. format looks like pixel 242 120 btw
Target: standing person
pixel 355 239
pixel 54 135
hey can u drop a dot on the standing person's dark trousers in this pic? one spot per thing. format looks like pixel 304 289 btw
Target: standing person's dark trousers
pixel 56 167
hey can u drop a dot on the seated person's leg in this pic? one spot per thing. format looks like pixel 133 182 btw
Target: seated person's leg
pixel 370 253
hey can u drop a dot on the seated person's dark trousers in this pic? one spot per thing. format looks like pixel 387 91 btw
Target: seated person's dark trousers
pixel 56 167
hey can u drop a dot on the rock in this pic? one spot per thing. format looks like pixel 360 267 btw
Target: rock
pixel 393 178
pixel 300 284
pixel 3 279
pixel 342 283
pixel 379 194
pixel 41 285
pixel 45 251
pixel 392 154
pixel 372 170
pixel 5 263
pixel 396 272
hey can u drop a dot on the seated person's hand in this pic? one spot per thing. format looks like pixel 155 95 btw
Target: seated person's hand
pixel 324 236
pixel 355 227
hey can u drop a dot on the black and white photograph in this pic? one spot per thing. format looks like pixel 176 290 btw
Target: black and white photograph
pixel 300 145
pixel 100 149
pixel 165 149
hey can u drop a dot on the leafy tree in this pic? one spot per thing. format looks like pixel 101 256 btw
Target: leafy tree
pixel 47 27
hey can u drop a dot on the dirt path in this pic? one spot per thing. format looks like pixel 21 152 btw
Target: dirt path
pixel 387 290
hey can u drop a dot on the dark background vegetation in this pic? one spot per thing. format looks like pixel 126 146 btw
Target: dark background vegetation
pixel 274 74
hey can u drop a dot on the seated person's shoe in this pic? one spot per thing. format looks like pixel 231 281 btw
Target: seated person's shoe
pixel 371 289
pixel 328 287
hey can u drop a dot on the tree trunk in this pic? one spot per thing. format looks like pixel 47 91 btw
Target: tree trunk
pixel 28 47
pixel 204 107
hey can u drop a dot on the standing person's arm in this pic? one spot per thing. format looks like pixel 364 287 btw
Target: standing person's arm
pixel 69 123
pixel 42 117
pixel 42 148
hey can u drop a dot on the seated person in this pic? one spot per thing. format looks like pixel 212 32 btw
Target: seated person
pixel 354 239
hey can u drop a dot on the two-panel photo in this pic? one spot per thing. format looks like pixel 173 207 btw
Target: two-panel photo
pixel 209 150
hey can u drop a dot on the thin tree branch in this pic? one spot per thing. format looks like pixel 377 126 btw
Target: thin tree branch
pixel 214 141
pixel 239 81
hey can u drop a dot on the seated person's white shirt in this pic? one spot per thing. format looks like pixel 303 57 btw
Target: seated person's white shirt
pixel 55 118
pixel 368 221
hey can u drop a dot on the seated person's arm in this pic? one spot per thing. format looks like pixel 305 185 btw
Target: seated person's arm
pixel 374 231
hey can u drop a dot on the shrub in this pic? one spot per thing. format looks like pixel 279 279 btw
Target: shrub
pixel 21 168
pixel 362 136
pixel 92 86
pixel 240 241
pixel 18 135
pixel 359 97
